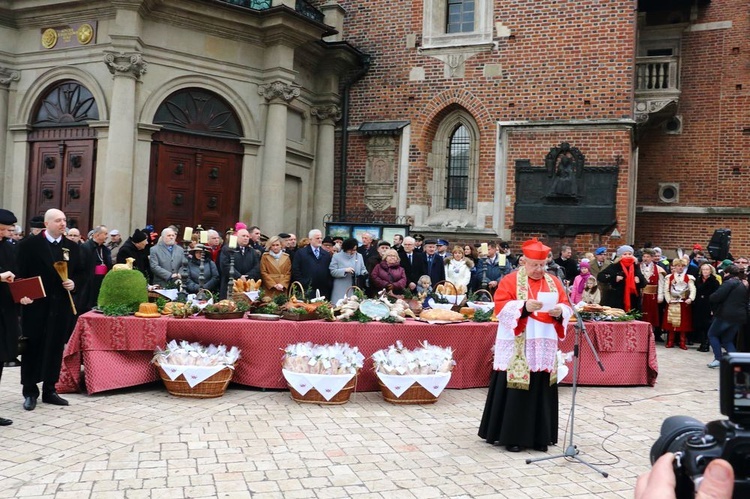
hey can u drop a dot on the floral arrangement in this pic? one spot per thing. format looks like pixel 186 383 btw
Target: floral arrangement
pixel 195 354
pixel 429 359
pixel 339 358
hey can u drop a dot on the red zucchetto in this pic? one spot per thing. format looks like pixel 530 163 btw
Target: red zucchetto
pixel 535 250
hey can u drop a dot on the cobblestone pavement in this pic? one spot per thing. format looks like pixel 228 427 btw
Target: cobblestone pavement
pixel 143 442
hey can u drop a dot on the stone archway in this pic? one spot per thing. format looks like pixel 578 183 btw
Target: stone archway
pixel 196 162
pixel 63 153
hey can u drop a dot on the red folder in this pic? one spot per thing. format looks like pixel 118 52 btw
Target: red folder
pixel 31 287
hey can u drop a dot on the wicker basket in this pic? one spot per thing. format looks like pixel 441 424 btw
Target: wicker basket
pixel 212 387
pixel 415 394
pixel 314 397
pixel 452 299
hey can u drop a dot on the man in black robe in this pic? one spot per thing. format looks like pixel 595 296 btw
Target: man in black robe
pixel 47 321
pixel 9 330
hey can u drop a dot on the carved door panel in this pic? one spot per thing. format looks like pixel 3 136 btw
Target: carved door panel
pixel 192 187
pixel 175 177
pixel 62 181
pixel 217 190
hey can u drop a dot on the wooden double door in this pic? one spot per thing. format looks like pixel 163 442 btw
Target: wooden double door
pixel 194 180
pixel 61 174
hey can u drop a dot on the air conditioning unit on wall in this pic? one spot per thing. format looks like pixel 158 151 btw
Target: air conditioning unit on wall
pixel 669 192
pixel 673 126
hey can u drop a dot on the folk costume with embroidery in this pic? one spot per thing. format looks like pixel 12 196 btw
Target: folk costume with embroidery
pixel 521 407
pixel 654 288
pixel 678 288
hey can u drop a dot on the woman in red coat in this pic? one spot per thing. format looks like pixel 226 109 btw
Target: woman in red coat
pixel 389 274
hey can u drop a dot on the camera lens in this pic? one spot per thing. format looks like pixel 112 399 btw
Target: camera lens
pixel 675 430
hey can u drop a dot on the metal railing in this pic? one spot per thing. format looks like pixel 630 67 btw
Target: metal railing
pixel 657 74
pixel 302 6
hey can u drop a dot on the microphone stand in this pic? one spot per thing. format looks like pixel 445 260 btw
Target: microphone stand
pixel 571 450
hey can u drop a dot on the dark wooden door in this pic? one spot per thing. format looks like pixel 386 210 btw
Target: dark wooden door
pixel 61 175
pixel 194 185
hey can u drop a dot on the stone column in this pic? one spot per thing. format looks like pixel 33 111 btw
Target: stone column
pixel 324 162
pixel 271 213
pixel 126 69
pixel 6 77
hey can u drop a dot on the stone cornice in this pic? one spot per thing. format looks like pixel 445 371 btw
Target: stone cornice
pixel 130 64
pixel 279 90
pixel 724 211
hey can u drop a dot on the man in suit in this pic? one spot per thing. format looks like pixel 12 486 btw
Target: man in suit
pixel 246 262
pixel 568 263
pixel 47 321
pixel 413 262
pixel 310 266
pixel 434 264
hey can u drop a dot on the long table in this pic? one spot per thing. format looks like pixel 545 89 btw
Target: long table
pixel 627 351
pixel 116 351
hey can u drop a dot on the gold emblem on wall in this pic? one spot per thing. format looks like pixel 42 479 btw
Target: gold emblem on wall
pixel 85 33
pixel 72 35
pixel 49 38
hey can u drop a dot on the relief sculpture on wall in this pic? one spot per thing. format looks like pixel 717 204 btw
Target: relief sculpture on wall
pixel 379 172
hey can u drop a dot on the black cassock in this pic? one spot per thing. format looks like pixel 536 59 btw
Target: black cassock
pixel 9 330
pixel 46 322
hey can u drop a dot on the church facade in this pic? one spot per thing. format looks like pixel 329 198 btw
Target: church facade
pixel 584 122
pixel 170 112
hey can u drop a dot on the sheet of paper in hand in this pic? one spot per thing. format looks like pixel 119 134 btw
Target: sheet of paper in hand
pixel 548 299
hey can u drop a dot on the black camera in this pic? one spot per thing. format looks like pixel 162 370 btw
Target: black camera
pixel 695 444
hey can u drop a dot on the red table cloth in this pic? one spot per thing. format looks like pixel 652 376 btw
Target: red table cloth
pixel 116 352
pixel 627 351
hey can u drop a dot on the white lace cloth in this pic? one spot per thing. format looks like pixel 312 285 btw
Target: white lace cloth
pixel 398 384
pixel 193 374
pixel 328 385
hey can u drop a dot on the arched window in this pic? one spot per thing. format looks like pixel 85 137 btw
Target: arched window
pixel 457 182
pixel 455 163
pixel 68 103
pixel 194 110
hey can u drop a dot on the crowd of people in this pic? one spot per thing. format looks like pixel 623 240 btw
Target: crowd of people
pixel 688 299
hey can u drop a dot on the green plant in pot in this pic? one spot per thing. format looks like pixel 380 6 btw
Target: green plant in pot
pixel 123 290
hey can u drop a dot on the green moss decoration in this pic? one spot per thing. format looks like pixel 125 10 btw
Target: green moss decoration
pixel 123 287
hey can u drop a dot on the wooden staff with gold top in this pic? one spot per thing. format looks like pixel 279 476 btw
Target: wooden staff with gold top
pixel 62 271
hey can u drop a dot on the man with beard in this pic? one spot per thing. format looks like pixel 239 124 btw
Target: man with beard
pixel 47 322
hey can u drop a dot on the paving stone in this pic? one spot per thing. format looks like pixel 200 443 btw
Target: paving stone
pixel 142 442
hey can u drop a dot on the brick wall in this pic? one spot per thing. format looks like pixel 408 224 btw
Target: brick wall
pixel 710 159
pixel 566 60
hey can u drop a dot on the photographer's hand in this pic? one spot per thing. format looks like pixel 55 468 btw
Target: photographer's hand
pixel 660 482
pixel 718 481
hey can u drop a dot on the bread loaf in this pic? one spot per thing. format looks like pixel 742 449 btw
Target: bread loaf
pixel 439 314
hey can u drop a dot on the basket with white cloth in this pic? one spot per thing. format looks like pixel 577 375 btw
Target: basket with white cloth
pixel 416 376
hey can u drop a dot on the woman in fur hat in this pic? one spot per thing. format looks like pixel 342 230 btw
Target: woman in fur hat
pixel 625 281
pixel 458 269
